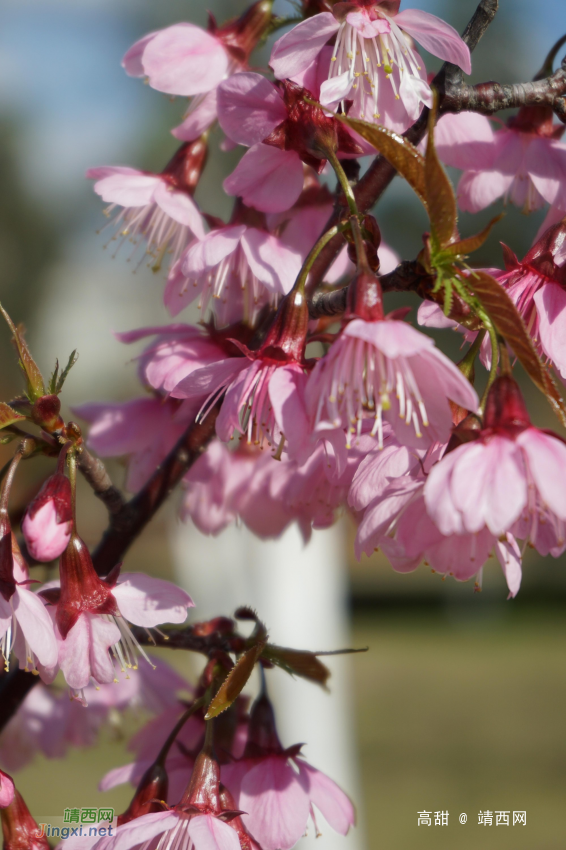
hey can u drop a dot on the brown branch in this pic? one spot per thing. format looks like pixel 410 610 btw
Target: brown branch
pixel 380 173
pixel 127 523
pixel 491 97
pixel 14 688
pixel 95 473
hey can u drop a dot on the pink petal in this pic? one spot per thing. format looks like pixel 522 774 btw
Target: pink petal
pixel 550 302
pixel 545 163
pixel 6 790
pixel 132 60
pixel 286 394
pixel 140 830
pixel 147 601
pixel 393 338
pixel 249 108
pixel 276 265
pixel 198 119
pixel 184 60
pixel 436 36
pixel 36 625
pixel 328 797
pixel 211 250
pixel 73 654
pixel 102 637
pixel 295 51
pixel 547 465
pixel 210 833
pixel 431 315
pixel 46 538
pixel 134 189
pixel 465 140
pixel 210 378
pixel 267 178
pixel 509 556
pixel 454 385
pixel 180 207
pixel 277 804
pixel 477 190
pixel 335 88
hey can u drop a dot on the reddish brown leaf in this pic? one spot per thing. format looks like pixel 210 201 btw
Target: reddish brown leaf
pixel 472 243
pixel 298 662
pixel 235 681
pixel 510 325
pixel 8 416
pixel 440 197
pixel 35 387
pixel 398 151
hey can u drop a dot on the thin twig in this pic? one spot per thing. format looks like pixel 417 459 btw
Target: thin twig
pixel 95 473
pixel 127 523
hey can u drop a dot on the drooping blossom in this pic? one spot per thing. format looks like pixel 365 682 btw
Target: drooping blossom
pixel 46 525
pixel 236 270
pixel 282 132
pixel 92 616
pixel 509 479
pixel 48 722
pixel 144 430
pixel 156 207
pixel 382 368
pixel 186 60
pixel 523 162
pixel 278 790
pixel 263 391
pixel 374 63
pixel 200 821
pixel 25 625
pixel 388 490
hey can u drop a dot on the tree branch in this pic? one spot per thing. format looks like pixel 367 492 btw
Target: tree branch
pixel 127 523
pixel 95 473
pixel 14 688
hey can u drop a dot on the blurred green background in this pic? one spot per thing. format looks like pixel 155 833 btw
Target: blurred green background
pixel 459 702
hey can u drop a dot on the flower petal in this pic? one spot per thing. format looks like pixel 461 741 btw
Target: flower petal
pixel 295 51
pixel 267 178
pixel 249 108
pixel 184 60
pixel 436 36
pixel 37 626
pixel 147 601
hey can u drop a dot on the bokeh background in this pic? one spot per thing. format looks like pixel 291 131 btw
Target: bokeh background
pixel 458 705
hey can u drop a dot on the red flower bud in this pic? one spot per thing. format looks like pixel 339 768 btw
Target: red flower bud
pixel 202 792
pixel 152 789
pixel 262 732
pixel 47 522
pixel 46 413
pixel 185 167
pixel 19 829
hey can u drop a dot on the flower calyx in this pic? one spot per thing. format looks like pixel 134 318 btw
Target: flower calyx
pixel 184 169
pixel 505 407
pixel 308 131
pixel 82 590
pixel 241 35
pixel 19 829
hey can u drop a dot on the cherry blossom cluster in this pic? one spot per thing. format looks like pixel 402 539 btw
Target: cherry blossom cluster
pixel 295 397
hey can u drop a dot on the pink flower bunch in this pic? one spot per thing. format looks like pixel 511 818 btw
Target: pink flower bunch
pixel 523 161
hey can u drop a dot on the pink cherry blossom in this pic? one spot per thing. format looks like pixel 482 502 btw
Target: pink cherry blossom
pixel 509 479
pixel 280 130
pixel 523 162
pixel 235 270
pixel 373 63
pixel 387 369
pixel 175 353
pixel 25 625
pixel 152 207
pixel 177 830
pixel 48 722
pixel 144 430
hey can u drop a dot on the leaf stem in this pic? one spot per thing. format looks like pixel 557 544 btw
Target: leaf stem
pixel 315 251
pixel 494 359
pixel 343 180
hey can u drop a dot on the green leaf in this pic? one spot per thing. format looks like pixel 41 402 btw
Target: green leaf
pixel 298 662
pixel 35 387
pixel 235 681
pixel 74 356
pixel 510 326
pixel 396 149
pixel 8 415
pixel 440 197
